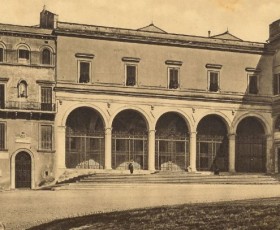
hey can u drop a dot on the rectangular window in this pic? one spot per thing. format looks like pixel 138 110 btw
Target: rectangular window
pixel 23 54
pixel 276 84
pixel 130 75
pixel 2 96
pixel 46 137
pixel 213 81
pixel 2 136
pixel 173 82
pixel 46 98
pixel 253 84
pixel 84 72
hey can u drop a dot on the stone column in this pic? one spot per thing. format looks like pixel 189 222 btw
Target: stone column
pixel 151 150
pixel 108 148
pixel 231 150
pixel 60 147
pixel 269 159
pixel 193 151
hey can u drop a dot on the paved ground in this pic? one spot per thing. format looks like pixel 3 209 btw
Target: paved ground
pixel 22 209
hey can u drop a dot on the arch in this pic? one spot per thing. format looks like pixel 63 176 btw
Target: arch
pixel 23 52
pixel 224 117
pixel 141 111
pixel 172 142
pixel 183 115
pixel 22 88
pixel 85 139
pixel 129 139
pixel 46 55
pixel 3 49
pixel 13 167
pixel 260 118
pixel 276 123
pixel 212 144
pixel 62 121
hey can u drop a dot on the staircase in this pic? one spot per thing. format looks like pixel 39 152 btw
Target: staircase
pixel 126 180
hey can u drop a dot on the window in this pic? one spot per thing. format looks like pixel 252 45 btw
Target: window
pixel 46 137
pixel 213 81
pixel 2 136
pixel 46 57
pixel 22 89
pixel 84 72
pixel 276 84
pixel 252 84
pixel 173 78
pixel 130 75
pixel 1 54
pixel 46 98
pixel 23 54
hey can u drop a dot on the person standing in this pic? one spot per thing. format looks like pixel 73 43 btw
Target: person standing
pixel 131 167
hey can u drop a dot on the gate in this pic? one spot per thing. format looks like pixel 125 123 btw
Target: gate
pixel 212 151
pixel 23 170
pixel 172 152
pixel 84 150
pixel 250 153
pixel 127 147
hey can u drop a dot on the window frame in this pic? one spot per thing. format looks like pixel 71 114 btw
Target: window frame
pixel 3 47
pixel 21 60
pixel 169 68
pixel 40 144
pixel 50 56
pixel 249 75
pixel 209 80
pixel 276 84
pixel 79 71
pixel 126 74
pixel 4 148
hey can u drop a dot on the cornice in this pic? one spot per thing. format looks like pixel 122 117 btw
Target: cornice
pixel 235 99
pixel 162 41
pixel 27 34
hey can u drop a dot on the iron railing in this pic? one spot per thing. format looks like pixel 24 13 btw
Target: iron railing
pixel 27 106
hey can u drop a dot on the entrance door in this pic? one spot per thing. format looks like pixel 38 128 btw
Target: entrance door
pixel 23 170
pixel 2 96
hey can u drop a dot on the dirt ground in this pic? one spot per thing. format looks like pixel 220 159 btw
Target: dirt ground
pixel 21 209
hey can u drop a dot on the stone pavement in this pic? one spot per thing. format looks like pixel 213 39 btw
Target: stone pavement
pixel 21 209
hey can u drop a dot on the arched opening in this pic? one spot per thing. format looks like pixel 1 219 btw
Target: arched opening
pixel 84 139
pixel 129 140
pixel 172 143
pixel 22 89
pixel 46 57
pixel 250 146
pixel 23 170
pixel 212 144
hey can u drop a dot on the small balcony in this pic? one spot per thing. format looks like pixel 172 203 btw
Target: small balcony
pixel 28 106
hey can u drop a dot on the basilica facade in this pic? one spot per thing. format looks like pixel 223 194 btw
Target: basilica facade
pixel 103 97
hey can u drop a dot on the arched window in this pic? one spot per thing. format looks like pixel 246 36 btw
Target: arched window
pixel 2 53
pixel 46 57
pixel 22 89
pixel 23 54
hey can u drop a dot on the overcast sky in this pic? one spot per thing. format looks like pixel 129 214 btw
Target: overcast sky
pixel 246 19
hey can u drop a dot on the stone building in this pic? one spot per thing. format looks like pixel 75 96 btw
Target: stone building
pixel 166 101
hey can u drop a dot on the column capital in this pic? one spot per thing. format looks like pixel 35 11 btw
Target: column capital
pixel 151 131
pixel 108 130
pixel 61 128
pixel 193 134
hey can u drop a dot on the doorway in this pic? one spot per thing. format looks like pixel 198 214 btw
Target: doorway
pixel 23 170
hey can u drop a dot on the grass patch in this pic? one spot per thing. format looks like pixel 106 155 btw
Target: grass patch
pixel 248 214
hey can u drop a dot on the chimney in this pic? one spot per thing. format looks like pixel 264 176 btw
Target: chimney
pixel 48 20
pixel 209 33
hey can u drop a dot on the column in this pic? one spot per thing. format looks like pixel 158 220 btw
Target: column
pixel 193 151
pixel 108 148
pixel 269 159
pixel 151 150
pixel 231 144
pixel 60 147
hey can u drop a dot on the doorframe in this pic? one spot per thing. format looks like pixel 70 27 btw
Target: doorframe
pixel 13 168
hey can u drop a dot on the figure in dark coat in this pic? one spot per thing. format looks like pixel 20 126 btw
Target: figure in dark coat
pixel 131 167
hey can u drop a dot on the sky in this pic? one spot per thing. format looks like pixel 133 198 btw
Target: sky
pixel 246 19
